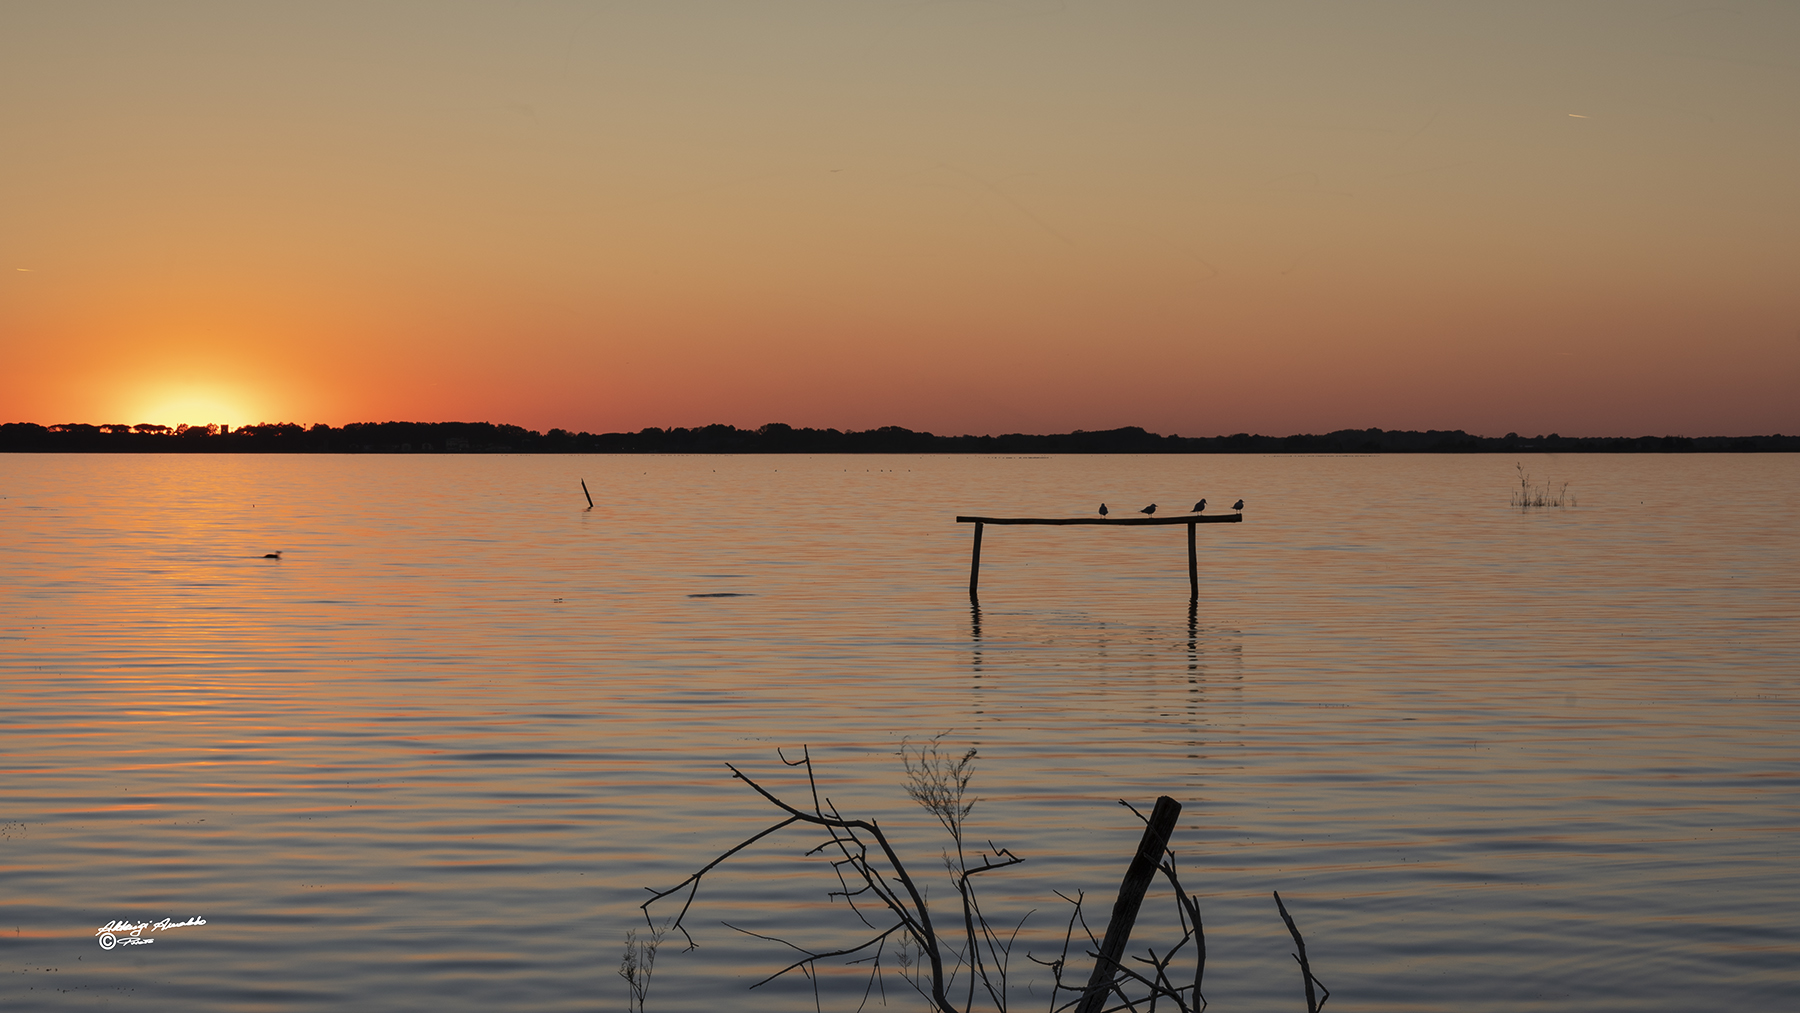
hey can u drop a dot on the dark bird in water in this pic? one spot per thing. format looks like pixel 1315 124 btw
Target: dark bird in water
pixel 273 555
pixel 1199 508
pixel 1103 510
pixel 1238 506
pixel 1149 509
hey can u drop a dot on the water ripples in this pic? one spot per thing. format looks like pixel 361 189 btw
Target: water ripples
pixel 431 756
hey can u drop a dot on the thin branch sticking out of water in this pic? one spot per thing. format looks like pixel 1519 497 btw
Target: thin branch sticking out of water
pixel 1306 975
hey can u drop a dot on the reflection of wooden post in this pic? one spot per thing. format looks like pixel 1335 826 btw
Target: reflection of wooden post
pixel 975 562
pixel 1131 897
pixel 1193 567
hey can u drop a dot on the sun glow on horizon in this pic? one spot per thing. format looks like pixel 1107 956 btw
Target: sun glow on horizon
pixel 195 406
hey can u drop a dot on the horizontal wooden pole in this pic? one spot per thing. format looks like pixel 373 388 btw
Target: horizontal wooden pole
pixel 1178 519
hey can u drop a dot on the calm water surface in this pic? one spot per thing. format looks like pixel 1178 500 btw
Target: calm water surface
pixel 430 758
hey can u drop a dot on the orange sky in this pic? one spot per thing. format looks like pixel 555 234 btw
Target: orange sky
pixel 970 217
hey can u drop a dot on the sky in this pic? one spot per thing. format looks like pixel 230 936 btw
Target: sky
pixel 962 217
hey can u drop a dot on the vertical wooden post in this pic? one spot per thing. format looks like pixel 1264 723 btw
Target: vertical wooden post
pixel 1193 567
pixel 975 561
pixel 1131 897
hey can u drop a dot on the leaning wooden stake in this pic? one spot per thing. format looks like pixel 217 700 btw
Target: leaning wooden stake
pixel 1131 897
pixel 590 499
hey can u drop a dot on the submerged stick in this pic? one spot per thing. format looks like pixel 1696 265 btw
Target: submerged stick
pixel 589 495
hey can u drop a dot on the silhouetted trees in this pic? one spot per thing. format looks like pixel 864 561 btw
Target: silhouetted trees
pixel 779 438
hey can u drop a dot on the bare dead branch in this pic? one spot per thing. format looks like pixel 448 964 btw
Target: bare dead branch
pixel 1306 974
pixel 811 957
pixel 657 895
pixel 909 909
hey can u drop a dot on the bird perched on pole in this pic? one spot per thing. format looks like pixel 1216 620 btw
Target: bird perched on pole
pixel 1149 509
pixel 1199 508
pixel 1103 510
pixel 1238 506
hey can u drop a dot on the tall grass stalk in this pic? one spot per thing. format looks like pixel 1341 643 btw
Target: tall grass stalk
pixel 638 964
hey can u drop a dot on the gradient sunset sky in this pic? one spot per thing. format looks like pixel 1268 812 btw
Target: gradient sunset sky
pixel 962 217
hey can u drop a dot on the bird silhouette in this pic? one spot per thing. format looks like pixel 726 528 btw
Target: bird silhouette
pixel 1103 510
pixel 1238 506
pixel 1199 508
pixel 273 555
pixel 1149 509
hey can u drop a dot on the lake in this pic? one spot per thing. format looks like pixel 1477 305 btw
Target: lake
pixel 430 758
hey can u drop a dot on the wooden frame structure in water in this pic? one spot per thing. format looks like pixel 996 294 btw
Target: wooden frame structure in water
pixel 1189 519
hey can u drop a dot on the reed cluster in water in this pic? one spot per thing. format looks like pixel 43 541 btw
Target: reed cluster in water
pixel 1529 496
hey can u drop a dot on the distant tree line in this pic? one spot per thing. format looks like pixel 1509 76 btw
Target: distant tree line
pixel 775 438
